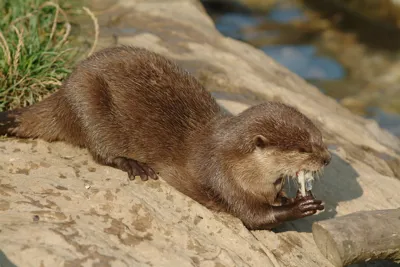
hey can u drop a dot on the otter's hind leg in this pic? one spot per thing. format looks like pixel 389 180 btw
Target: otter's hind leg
pixel 134 168
pixel 96 106
pixel 131 166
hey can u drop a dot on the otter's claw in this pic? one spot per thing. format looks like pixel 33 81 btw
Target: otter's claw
pixel 300 208
pixel 135 168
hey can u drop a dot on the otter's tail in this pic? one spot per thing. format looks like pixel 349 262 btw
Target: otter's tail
pixel 42 120
pixel 8 121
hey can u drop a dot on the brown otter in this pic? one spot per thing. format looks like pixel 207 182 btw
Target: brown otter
pixel 138 111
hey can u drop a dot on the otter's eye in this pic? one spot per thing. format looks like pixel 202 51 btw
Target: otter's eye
pixel 305 149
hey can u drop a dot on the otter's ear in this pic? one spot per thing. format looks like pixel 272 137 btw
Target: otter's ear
pixel 260 141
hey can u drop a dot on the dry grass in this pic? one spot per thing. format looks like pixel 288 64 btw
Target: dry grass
pixel 35 52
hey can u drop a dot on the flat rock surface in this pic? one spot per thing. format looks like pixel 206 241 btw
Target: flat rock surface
pixel 59 208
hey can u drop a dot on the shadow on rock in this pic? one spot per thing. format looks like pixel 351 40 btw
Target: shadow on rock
pixel 4 261
pixel 339 183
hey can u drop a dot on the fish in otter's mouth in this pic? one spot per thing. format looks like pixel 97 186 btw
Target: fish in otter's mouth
pixel 305 181
pixel 303 178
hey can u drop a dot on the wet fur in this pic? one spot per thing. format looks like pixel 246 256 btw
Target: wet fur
pixel 129 102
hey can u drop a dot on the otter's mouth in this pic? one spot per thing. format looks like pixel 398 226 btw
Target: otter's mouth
pixel 303 178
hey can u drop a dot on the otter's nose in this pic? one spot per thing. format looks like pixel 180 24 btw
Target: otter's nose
pixel 327 158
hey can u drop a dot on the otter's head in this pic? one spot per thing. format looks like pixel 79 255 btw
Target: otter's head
pixel 271 142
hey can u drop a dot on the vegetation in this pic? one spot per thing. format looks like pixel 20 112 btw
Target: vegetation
pixel 35 51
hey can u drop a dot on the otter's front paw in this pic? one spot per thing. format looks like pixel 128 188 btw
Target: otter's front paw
pixel 300 208
pixel 305 207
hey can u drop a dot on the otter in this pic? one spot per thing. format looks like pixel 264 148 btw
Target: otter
pixel 138 111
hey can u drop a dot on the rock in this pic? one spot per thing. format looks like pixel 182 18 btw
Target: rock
pixel 259 5
pixel 58 207
pixel 359 237
pixel 387 12
pixel 255 5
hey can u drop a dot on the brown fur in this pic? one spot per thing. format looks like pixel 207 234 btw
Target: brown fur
pixel 129 102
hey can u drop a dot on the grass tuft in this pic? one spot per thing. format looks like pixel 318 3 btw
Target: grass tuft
pixel 35 52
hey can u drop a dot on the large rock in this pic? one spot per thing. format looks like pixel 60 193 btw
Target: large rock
pixel 59 208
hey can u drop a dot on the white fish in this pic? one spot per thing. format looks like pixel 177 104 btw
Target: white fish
pixel 305 180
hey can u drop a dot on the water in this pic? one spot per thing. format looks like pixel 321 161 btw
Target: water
pixel 299 50
pixel 304 61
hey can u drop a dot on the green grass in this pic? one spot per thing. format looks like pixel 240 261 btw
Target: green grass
pixel 35 52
